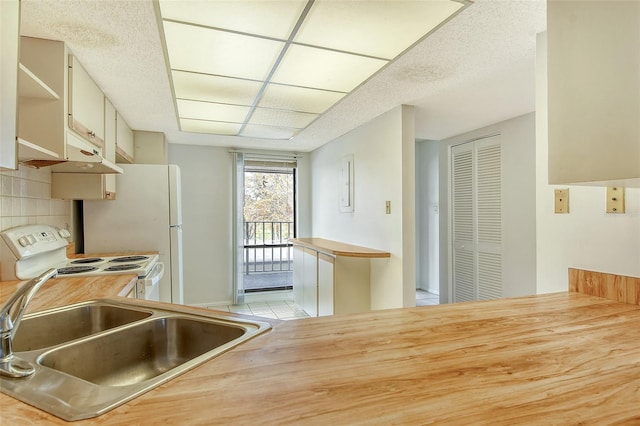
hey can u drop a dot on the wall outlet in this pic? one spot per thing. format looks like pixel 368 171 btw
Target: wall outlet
pixel 615 199
pixel 562 200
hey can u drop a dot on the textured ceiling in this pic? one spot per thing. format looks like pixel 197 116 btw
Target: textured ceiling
pixel 475 70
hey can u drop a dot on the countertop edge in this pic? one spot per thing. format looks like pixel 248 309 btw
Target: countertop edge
pixel 337 248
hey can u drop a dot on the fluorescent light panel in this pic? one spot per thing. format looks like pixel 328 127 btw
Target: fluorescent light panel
pixel 325 69
pixel 267 69
pixel 282 118
pixel 382 29
pixel 211 111
pixel 213 127
pixel 299 98
pixel 189 85
pixel 218 52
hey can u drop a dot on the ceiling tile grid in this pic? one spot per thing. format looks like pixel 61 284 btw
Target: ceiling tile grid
pixel 269 69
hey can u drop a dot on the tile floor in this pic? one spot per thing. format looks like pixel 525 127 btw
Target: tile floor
pixel 424 298
pixel 283 308
pixel 277 309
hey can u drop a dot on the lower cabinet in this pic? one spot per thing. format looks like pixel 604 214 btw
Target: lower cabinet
pixel 351 285
pixel 310 282
pixel 325 284
pixel 298 266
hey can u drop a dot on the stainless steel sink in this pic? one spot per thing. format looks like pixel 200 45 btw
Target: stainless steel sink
pixel 66 324
pixel 118 349
pixel 142 352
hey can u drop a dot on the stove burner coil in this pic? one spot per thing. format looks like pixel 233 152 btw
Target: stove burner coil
pixel 69 270
pixel 137 258
pixel 123 267
pixel 87 260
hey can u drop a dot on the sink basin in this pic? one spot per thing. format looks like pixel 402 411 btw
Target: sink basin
pixel 142 352
pixel 66 324
pixel 94 356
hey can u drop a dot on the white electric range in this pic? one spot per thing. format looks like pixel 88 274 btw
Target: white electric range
pixel 29 250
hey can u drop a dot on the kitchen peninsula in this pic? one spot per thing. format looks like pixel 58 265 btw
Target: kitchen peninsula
pixel 563 358
pixel 331 277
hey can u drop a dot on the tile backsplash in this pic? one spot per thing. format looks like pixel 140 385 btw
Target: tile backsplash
pixel 25 198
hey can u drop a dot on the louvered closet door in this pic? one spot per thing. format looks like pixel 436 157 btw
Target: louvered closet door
pixel 464 287
pixel 477 220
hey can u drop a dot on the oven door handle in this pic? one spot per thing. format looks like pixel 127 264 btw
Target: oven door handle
pixel 156 273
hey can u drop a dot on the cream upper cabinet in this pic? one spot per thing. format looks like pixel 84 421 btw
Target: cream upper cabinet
pixel 594 92
pixel 42 109
pixel 124 141
pixel 86 104
pixel 85 186
pixel 10 18
pixel 60 111
pixel 150 147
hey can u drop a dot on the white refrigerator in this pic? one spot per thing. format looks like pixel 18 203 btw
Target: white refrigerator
pixel 145 216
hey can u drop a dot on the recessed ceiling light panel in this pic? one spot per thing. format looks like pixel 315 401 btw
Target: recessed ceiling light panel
pixel 325 69
pixel 268 132
pixel 212 88
pixel 265 18
pixel 299 98
pixel 214 127
pixel 211 111
pixel 218 52
pixel 281 118
pixel 382 29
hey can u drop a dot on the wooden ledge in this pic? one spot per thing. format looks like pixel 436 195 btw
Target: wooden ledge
pixel 339 249
pixel 609 286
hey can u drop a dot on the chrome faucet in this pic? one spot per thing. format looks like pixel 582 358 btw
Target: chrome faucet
pixel 10 317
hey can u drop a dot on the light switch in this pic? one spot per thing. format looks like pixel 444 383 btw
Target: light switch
pixel 388 207
pixel 562 200
pixel 615 199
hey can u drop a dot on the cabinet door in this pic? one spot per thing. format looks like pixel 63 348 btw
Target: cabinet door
pixel 351 285
pixel 593 92
pixel 10 12
pixel 298 282
pixel 109 146
pixel 79 186
pixel 86 104
pixel 325 284
pixel 124 141
pixel 310 282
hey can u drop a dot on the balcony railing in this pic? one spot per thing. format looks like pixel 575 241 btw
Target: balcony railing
pixel 266 247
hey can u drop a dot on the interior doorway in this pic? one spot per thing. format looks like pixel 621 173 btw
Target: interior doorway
pixel 269 221
pixel 427 222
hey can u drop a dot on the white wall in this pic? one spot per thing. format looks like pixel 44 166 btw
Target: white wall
pixel 587 237
pixel 206 215
pixel 303 208
pixel 384 168
pixel 427 216
pixel 518 205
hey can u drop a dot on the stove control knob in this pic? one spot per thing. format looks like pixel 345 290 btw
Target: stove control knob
pixel 23 241
pixel 64 233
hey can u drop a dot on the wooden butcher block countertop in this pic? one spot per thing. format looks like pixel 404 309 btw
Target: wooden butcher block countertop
pixel 66 290
pixel 563 358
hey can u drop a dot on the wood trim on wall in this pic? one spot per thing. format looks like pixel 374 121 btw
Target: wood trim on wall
pixel 609 286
